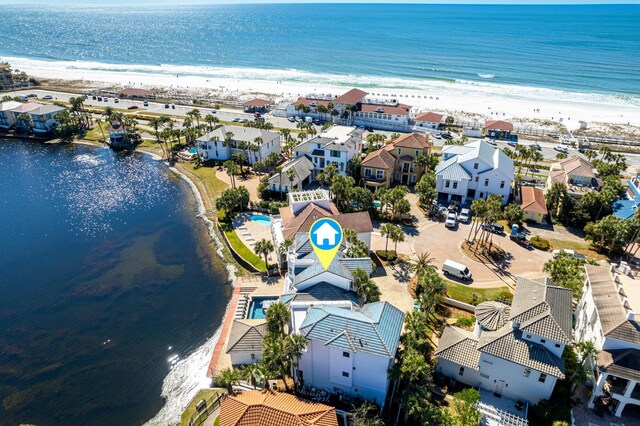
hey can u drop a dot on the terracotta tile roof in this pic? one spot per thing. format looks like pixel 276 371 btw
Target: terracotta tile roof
pixel 533 200
pixel 577 166
pixel 499 125
pixel 257 102
pixel 352 97
pixel 379 159
pixel 359 222
pixel 429 117
pixel 309 101
pixel 399 109
pixel 271 408
pixel 411 140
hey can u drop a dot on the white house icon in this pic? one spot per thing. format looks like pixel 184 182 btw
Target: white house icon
pixel 326 233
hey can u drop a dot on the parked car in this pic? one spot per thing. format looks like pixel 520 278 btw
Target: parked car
pixel 261 119
pixel 93 97
pixel 99 98
pixel 452 220
pixel 317 122
pixel 454 206
pixel 145 103
pixel 570 252
pixel 214 111
pixel 32 95
pixel 116 100
pixel 447 136
pixel 291 119
pixel 236 120
pixel 244 120
pixel 133 107
pixel 437 136
pixel 494 228
pixel 173 106
pixel 51 97
pixel 561 148
pixel 105 99
pixel 512 143
pixel 492 142
pixel 464 216
pixel 520 239
pixel 368 128
pixel 582 150
pixel 536 146
pixel 456 270
pixel 166 105
pixel 257 115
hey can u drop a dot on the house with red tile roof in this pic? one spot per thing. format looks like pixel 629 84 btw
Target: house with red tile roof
pixel 395 162
pixel 428 120
pixel 498 129
pixel 533 203
pixel 257 105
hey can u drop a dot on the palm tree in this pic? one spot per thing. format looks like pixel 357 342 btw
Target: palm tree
pixel 227 378
pixel 241 157
pixel 561 156
pixel 278 317
pixel 108 113
pixel 254 374
pixel 422 262
pixel 264 247
pixel 296 344
pixel 590 154
pixel 279 171
pixel 291 174
pixel 386 230
pixel 232 170
pixel 99 123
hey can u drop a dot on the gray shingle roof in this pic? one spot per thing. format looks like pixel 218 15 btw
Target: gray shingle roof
pixel 246 336
pixel 543 309
pixel 621 363
pixel 246 134
pixel 375 328
pixel 459 346
pixel 508 344
pixel 302 166
pixel 321 292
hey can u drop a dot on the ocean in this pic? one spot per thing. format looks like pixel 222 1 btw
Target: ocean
pixel 109 284
pixel 582 49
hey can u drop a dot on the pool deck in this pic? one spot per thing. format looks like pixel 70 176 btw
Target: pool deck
pixel 251 232
pixel 245 287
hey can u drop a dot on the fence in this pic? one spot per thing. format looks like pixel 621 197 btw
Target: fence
pixel 460 305
pixel 211 404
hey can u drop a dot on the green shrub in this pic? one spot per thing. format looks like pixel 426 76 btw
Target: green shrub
pixel 388 256
pixel 540 243
pixel 465 322
pixel 223 217
pixel 505 297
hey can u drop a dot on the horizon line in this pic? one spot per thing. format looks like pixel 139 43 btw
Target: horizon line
pixel 119 3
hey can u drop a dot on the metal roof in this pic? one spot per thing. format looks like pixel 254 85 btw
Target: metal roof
pixel 451 170
pixel 246 134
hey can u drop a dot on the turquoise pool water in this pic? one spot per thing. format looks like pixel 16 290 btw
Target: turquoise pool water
pixel 261 219
pixel 258 307
pixel 376 204
pixel 193 151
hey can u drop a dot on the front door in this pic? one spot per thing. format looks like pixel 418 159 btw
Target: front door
pixel 499 386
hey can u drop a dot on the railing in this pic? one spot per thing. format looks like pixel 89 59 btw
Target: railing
pixel 492 414
pixel 198 417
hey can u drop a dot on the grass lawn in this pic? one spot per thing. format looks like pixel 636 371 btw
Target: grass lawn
pixel 191 408
pixel 465 293
pixel 208 177
pixel 243 250
pixel 95 134
pixel 580 247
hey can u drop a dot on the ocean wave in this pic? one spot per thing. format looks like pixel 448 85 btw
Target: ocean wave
pixel 486 76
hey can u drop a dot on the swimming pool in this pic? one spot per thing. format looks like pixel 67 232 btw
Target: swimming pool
pixel 376 204
pixel 261 219
pixel 193 151
pixel 258 307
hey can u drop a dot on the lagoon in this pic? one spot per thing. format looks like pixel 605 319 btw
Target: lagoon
pixel 107 279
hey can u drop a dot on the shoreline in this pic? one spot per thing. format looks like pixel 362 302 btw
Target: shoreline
pixel 467 100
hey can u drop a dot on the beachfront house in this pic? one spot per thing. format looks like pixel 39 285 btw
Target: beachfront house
pixel 497 129
pixel 43 119
pixel 20 115
pixel 606 317
pixel 472 171
pixel 514 351
pixel 396 162
pixel 223 143
pixel 354 108
pixel 626 207
pixel 6 116
pixel 533 204
pixel 337 145
pixel 245 341
pixel 578 175
pixel 257 105
pixel 350 351
pixel 428 121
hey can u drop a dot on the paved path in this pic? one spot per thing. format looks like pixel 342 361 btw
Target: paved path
pixel 251 182
pixel 226 326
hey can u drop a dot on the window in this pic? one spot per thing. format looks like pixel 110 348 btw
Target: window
pixel 528 336
pixel 345 374
pixel 476 179
pixel 475 166
pixel 380 174
pixel 542 378
pixel 319 146
pixel 461 371
pixel 484 376
pixel 455 185
pixel 399 151
pixel 486 182
pixel 446 183
pixel 335 154
pixel 345 354
pixel 527 372
pixel 557 345
pixel 367 172
pixel 488 362
pixel 543 341
pixel 417 152
pixel 501 184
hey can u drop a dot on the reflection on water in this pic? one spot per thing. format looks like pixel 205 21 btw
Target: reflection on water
pixel 103 267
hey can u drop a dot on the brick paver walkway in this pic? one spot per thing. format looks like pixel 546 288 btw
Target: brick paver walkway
pixel 226 326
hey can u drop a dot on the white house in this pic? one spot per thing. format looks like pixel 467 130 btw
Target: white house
pixel 337 145
pixel 428 120
pixel 606 316
pixel 6 117
pixel 301 176
pixel 20 109
pixel 43 118
pixel 353 107
pixel 256 143
pixel 471 171
pixel 515 351
pixel 351 350
pixel 245 341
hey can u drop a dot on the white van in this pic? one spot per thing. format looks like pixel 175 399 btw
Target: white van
pixel 456 270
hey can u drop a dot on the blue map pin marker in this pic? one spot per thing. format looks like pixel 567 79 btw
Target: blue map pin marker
pixel 325 236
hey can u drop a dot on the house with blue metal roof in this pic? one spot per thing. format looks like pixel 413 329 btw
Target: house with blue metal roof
pixel 472 171
pixel 350 351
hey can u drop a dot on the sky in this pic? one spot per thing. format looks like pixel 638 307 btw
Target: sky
pixel 173 2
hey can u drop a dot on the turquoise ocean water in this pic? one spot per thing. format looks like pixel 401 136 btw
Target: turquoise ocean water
pixel 589 49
